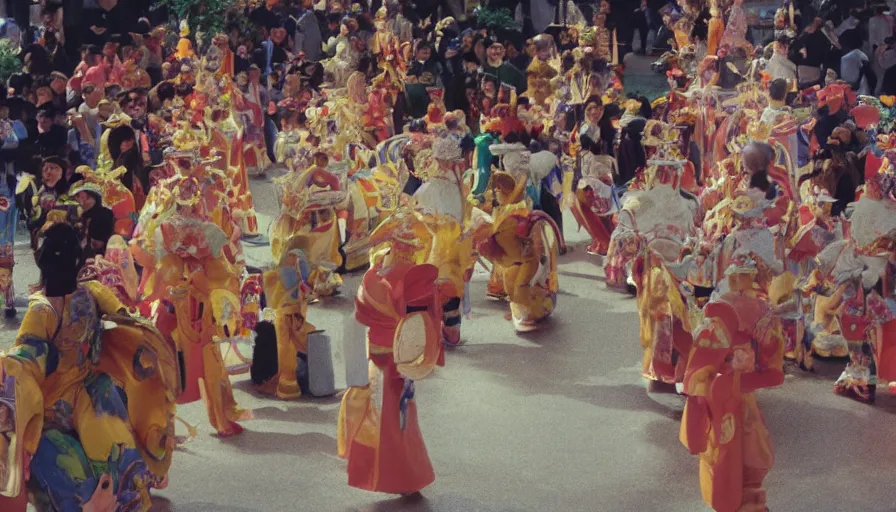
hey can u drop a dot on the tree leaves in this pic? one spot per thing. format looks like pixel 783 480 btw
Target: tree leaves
pixel 9 59
pixel 206 16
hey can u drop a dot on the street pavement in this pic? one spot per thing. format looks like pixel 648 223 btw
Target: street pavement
pixel 553 421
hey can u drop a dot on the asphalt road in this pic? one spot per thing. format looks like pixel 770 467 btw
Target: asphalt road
pixel 557 420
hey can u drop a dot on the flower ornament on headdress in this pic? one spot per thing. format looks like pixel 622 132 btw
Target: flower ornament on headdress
pixel 665 166
pixel 588 37
pixel 748 205
pixel 446 147
pixel 758 131
pixel 190 238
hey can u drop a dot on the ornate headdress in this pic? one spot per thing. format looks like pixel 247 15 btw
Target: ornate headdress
pixel 446 147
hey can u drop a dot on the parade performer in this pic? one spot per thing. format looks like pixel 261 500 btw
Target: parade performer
pixel 114 269
pixel 443 194
pixel 9 215
pixel 193 288
pixel 94 422
pixel 654 226
pixel 51 196
pixel 817 229
pixel 112 193
pixel 310 203
pixel 378 429
pixel 853 277
pixel 442 190
pixel 226 137
pixel 524 246
pixel 596 199
pixel 251 104
pixel 738 349
pixel 287 291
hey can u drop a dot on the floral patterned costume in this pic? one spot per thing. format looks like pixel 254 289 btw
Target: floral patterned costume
pixel 106 434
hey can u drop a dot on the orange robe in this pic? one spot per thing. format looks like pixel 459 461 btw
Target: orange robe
pixel 383 456
pixel 738 350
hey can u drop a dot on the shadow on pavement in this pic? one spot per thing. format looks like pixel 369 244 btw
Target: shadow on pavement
pixel 424 503
pixel 160 504
pixel 305 413
pixel 256 442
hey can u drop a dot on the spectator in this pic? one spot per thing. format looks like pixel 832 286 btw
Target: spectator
pixel 57 83
pixel 504 72
pixel 306 32
pixel 91 96
pixel 97 222
pixel 90 57
pixel 37 61
pixel 779 66
pixel 267 16
pixel 20 108
pixel 886 61
pixel 809 52
pixel 640 24
pixel 879 29
pixel 855 67
pixel 424 73
pixel 51 139
pixel 125 152
pixel 513 43
pixel 109 18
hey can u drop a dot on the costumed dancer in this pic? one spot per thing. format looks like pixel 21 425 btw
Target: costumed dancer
pixel 855 275
pixel 310 203
pixel 816 230
pixel 378 431
pixel 287 291
pixel 523 246
pixel 9 215
pixel 738 349
pixel 92 426
pixel 654 227
pixel 191 288
pixel 443 194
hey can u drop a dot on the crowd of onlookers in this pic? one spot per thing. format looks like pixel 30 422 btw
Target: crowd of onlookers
pixel 84 63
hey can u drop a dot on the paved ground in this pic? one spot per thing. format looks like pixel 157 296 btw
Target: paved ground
pixel 554 421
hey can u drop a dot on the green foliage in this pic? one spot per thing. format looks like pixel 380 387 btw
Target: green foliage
pixel 9 59
pixel 206 16
pixel 496 19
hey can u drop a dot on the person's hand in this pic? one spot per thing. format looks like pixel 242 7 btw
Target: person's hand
pixel 78 121
pixel 98 30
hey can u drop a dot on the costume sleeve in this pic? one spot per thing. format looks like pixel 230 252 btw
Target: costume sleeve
pixel 106 300
pixel 769 356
